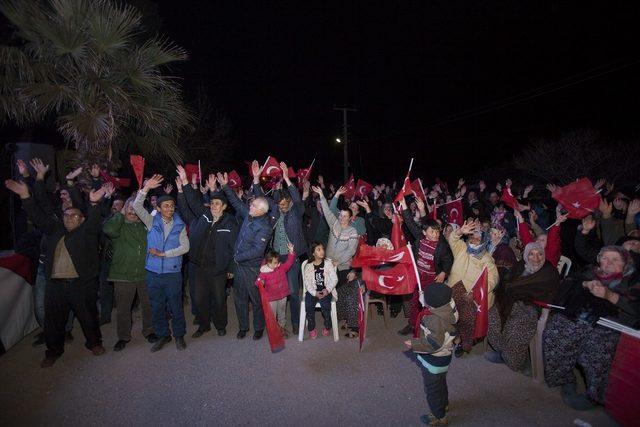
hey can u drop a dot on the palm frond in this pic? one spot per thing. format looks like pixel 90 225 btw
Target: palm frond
pixel 112 27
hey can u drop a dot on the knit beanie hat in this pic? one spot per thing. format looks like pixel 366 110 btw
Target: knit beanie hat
pixel 437 294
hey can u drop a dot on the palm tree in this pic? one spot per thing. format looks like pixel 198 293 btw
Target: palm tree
pixel 86 65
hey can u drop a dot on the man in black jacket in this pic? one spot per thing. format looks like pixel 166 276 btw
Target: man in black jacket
pixel 72 269
pixel 212 236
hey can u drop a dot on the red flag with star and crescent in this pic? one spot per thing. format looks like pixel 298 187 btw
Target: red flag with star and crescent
pixel 579 198
pixel 405 191
pixel 418 189
pixel 454 212
pixel 481 299
pixel 234 179
pixel 271 168
pixel 508 199
pixel 374 255
pixel 137 163
pixel 398 239
pixel 398 280
pixel 363 188
pixel 350 187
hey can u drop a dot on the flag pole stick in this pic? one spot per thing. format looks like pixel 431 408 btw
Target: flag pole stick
pixel 265 164
pixel 410 164
pixel 200 173
pixel 415 267
pixel 312 162
pixel 439 206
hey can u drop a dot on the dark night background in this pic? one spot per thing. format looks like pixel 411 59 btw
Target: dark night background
pixel 277 71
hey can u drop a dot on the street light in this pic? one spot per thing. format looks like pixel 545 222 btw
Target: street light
pixel 338 140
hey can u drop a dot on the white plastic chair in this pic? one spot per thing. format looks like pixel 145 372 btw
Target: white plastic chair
pixel 334 319
pixel 564 262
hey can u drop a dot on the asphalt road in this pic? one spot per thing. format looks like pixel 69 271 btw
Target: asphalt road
pixel 224 381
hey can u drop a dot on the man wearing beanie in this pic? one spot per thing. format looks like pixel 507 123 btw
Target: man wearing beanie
pixel 433 345
pixel 212 235
pixel 166 243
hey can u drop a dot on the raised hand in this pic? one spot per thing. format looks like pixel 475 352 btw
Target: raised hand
pixel 533 216
pixel 403 203
pixel 562 218
pixel 469 227
pixel 194 180
pixel 508 182
pixel 317 190
pixel 210 183
pixel 153 182
pixel 527 190
pixel 340 191
pixel 552 188
pixel 321 181
pixel 255 169
pixel 499 187
pixel 223 178
pixel 109 189
pixel 182 174
pixel 168 188
pixel 290 247
pixel 634 208
pixel 606 208
pixel 482 186
pixel 74 174
pixel 96 195
pixel 40 168
pixel 599 183
pixel 22 168
pixel 18 187
pixel 285 171
pixel 460 183
pixel 178 184
pixel 95 170
pixel 419 204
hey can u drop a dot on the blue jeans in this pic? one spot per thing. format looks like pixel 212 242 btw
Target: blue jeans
pixel 38 300
pixel 165 294
pixel 245 290
pixel 293 277
pixel 310 307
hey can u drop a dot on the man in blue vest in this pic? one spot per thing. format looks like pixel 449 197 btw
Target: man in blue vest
pixel 249 250
pixel 167 241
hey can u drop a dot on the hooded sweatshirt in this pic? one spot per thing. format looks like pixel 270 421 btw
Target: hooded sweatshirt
pixel 435 343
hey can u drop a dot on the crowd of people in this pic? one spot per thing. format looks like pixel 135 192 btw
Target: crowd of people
pixel 100 246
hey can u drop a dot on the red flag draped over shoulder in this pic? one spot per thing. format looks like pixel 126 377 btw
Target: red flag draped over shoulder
pixel 398 280
pixel 351 188
pixel 137 163
pixel 578 198
pixel 363 188
pixel 481 298
pixel 454 212
pixel 271 168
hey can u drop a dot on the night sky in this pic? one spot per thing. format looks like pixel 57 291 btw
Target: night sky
pixel 411 69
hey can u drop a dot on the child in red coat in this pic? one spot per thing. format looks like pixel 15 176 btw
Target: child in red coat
pixel 274 276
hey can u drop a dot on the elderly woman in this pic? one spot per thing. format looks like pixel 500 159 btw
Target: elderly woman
pixel 498 247
pixel 514 319
pixel 469 259
pixel 610 289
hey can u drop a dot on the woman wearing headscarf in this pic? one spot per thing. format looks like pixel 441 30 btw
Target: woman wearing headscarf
pixel 469 259
pixel 514 318
pixel 498 247
pixel 609 289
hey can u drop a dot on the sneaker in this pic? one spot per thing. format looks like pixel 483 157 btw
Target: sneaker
pixel 48 361
pixel 257 335
pixel 241 334
pixel 431 420
pixel 160 343
pixel 325 332
pixel 407 330
pixel 120 345
pixel 180 344
pixel 313 334
pixel 152 338
pixel 458 352
pixel 97 350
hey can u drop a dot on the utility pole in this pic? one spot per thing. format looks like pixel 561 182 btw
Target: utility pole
pixel 345 138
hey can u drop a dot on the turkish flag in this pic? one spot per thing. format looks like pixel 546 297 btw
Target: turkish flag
pixel 292 173
pixel 578 198
pixel 234 179
pixel 373 255
pixel 454 212
pixel 508 199
pixel 481 298
pixel 137 163
pixel 398 280
pixel 434 212
pixel 398 238
pixel 418 190
pixel 363 188
pixel 276 340
pixel 351 188
pixel 405 191
pixel 271 168
pixel 117 182
pixel 191 170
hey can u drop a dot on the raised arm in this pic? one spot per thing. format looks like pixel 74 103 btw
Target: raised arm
pixel 241 209
pixel 328 215
pixel 138 204
pixel 46 223
pixel 413 227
